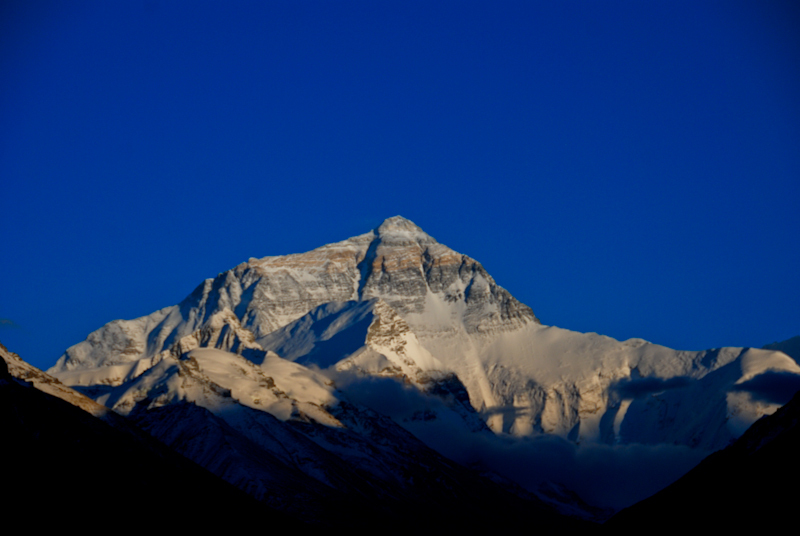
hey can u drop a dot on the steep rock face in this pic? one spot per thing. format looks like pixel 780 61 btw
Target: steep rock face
pixel 430 285
pixel 396 302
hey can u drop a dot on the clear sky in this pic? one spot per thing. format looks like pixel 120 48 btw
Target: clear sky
pixel 630 168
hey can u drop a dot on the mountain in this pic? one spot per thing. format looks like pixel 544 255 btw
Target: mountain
pixel 393 324
pixel 524 378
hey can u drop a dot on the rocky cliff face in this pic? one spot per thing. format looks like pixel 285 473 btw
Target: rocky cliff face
pixel 430 285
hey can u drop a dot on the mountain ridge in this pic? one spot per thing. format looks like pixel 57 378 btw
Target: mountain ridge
pixel 453 331
pixel 74 459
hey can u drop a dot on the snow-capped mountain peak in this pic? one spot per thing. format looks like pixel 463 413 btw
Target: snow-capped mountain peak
pixel 399 230
pixel 330 308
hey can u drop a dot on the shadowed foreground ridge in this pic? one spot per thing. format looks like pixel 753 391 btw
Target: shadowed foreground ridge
pixel 60 460
pixel 750 483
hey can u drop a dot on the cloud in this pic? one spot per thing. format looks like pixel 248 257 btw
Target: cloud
pixel 6 323
pixel 773 387
pixel 639 387
pixel 387 396
pixel 384 395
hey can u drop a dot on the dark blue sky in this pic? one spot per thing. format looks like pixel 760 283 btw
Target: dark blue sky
pixel 630 168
